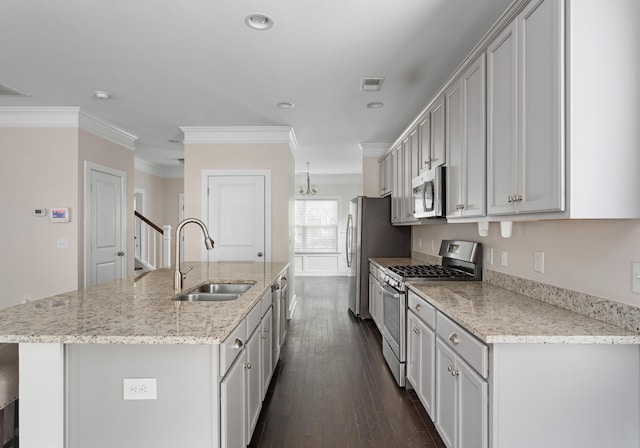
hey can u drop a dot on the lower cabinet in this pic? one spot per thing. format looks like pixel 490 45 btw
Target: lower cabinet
pixel 253 382
pixel 421 360
pixel 267 364
pixel 232 403
pixel 461 401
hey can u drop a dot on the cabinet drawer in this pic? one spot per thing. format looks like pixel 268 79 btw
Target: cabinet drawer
pixel 267 301
pixel 422 309
pixel 232 346
pixel 474 352
pixel 253 318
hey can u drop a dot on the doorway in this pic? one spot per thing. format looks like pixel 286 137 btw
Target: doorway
pixel 238 214
pixel 104 224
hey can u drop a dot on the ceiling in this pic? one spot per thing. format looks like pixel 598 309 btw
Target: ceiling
pixel 195 63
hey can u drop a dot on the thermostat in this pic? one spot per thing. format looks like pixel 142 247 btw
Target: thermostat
pixel 40 212
pixel 60 214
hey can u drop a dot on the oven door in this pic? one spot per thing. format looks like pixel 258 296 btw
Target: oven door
pixel 394 319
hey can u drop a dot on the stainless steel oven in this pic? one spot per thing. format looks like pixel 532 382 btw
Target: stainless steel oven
pixel 461 260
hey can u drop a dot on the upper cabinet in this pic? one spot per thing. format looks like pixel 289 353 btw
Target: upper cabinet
pixel 525 145
pixel 431 128
pixel 522 125
pixel 385 176
pixel 465 143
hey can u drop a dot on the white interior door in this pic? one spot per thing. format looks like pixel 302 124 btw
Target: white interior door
pixel 236 217
pixel 104 225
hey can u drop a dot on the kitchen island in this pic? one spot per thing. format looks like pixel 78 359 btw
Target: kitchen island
pixel 77 348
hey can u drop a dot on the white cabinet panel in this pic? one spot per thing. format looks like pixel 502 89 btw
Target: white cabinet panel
pixel 232 406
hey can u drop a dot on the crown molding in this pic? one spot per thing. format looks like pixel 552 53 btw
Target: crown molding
pixel 240 134
pixel 109 131
pixel 66 117
pixel 166 172
pixel 374 149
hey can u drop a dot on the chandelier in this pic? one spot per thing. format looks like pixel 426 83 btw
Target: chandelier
pixel 311 189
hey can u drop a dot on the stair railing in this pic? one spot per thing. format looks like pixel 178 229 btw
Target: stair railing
pixel 152 243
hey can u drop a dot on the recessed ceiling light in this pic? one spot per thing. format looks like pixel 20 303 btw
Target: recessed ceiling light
pixel 286 105
pixel 375 105
pixel 259 21
pixel 102 95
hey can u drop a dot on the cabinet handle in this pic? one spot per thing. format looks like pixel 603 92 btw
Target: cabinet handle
pixel 418 307
pixel 510 199
pixel 247 365
pixel 453 337
pixel 518 198
pixel 450 368
pixel 238 343
pixel 455 372
pixel 266 330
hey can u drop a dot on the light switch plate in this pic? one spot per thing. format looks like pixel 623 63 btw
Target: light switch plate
pixel 503 259
pixel 538 261
pixel 490 256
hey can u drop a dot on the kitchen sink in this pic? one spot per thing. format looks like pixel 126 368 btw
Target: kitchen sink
pixel 215 292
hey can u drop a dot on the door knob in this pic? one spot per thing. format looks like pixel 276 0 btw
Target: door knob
pixel 259 254
pixel 120 254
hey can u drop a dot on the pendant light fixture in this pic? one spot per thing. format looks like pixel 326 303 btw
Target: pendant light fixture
pixel 311 189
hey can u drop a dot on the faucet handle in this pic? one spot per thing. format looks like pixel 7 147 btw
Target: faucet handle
pixel 184 275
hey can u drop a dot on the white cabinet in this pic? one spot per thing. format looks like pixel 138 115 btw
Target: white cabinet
pixel 385 176
pixel 461 401
pixel 466 144
pixel 409 171
pixel 432 136
pixel 396 185
pixel 266 352
pixel 421 354
pixel 232 405
pixel 525 147
pixel 252 383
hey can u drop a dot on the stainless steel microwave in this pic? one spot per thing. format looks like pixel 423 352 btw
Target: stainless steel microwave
pixel 429 194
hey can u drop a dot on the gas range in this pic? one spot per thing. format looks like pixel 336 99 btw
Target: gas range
pixel 461 261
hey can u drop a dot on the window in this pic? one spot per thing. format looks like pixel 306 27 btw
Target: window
pixel 316 225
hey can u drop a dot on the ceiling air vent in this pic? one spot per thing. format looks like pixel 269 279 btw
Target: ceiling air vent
pixel 5 90
pixel 371 84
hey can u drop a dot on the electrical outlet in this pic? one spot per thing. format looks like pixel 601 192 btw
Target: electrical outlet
pixel 490 256
pixel 139 389
pixel 538 261
pixel 503 259
pixel 62 243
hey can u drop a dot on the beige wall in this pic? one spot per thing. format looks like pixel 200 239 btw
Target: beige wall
pixel 274 157
pixel 592 257
pixel 172 190
pixel 154 196
pixel 370 177
pixel 98 150
pixel 39 169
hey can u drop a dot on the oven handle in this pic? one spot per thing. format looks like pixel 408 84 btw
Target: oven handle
pixel 393 293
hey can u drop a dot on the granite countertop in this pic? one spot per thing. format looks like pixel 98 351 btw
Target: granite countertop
pixel 140 312
pixel 497 315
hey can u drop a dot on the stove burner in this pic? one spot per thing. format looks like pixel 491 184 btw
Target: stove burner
pixel 429 271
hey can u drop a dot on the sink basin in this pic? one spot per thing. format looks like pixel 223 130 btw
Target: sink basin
pixel 215 292
pixel 224 288
pixel 206 297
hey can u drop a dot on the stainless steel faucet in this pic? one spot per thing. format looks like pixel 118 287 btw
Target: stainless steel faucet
pixel 178 276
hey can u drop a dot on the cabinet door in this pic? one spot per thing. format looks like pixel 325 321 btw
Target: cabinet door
pixel 382 180
pixel 438 132
pixel 396 189
pixel 472 408
pixel 446 394
pixel 454 123
pixel 424 142
pixel 388 177
pixel 266 352
pixel 427 379
pixel 252 384
pixel 379 306
pixel 541 90
pixel 232 405
pixel 373 285
pixel 409 167
pixel 413 351
pixel 502 118
pixel 473 140
pixel 414 137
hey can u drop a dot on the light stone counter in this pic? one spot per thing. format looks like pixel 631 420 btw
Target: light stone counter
pixel 140 312
pixel 497 315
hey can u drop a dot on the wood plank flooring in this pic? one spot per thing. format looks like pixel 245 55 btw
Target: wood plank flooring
pixel 332 387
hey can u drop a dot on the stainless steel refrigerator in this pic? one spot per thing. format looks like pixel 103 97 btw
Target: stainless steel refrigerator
pixel 370 235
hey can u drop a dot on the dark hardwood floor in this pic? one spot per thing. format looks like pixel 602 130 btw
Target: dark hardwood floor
pixel 332 387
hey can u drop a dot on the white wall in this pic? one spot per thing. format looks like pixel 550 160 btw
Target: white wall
pixel 589 256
